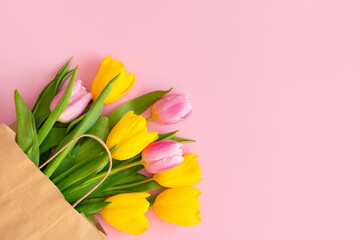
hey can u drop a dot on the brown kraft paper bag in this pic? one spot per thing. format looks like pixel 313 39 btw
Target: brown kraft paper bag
pixel 31 206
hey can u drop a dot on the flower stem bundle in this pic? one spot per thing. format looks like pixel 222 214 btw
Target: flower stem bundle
pixel 143 160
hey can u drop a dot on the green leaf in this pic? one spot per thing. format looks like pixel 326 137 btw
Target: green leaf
pixel 166 136
pixel 73 123
pixel 74 193
pixel 90 146
pixel 118 180
pixel 60 107
pixel 87 148
pixel 53 139
pixel 91 207
pixel 151 199
pixel 136 177
pixel 101 128
pixel 61 125
pixel 85 170
pixel 26 136
pixel 171 136
pixel 82 170
pixel 41 108
pixel 144 187
pixel 69 160
pixel 44 157
pixel 85 179
pixel 118 163
pixel 86 123
pixel 41 95
pixel 39 99
pixel 60 76
pixel 68 173
pixel 138 105
pixel 182 140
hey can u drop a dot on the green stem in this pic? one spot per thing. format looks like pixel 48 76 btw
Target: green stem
pixel 115 170
pixel 130 184
pixel 150 118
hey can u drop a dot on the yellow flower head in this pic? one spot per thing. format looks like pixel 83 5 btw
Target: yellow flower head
pixel 179 206
pixel 130 135
pixel 108 70
pixel 126 212
pixel 186 174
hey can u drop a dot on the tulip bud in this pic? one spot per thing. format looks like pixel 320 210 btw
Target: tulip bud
pixel 108 70
pixel 162 155
pixel 171 108
pixel 130 135
pixel 126 212
pixel 79 100
pixel 179 206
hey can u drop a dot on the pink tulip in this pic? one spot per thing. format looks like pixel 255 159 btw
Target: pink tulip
pixel 79 100
pixel 162 155
pixel 172 108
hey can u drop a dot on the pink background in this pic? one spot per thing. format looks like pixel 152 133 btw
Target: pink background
pixel 275 88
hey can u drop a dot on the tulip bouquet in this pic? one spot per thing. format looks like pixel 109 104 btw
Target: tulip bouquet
pixel 142 160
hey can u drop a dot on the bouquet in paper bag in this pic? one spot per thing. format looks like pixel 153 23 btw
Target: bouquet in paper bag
pixel 112 178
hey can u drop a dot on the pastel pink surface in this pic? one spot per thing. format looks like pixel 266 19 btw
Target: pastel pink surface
pixel 275 93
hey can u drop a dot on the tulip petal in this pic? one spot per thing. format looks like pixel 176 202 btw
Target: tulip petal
pixel 126 212
pixel 108 70
pixel 186 174
pixel 75 109
pixel 125 83
pixel 134 145
pixel 79 100
pixel 179 206
pixel 130 135
pixel 172 108
pixel 162 155
pixel 111 70
pixel 97 78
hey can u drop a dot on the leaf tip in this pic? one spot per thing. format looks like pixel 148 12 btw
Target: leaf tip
pixel 68 62
pixel 115 78
pixel 16 94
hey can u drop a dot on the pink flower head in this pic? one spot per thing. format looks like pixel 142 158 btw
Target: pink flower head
pixel 172 108
pixel 79 100
pixel 162 155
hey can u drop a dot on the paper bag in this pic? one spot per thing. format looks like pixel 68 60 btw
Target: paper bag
pixel 31 206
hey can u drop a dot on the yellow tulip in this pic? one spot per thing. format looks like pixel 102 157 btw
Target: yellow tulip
pixel 186 174
pixel 108 70
pixel 130 135
pixel 126 212
pixel 179 206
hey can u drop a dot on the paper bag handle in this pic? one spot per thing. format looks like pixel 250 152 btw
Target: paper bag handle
pixel 102 180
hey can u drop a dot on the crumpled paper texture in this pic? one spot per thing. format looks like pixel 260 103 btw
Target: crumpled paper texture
pixel 31 206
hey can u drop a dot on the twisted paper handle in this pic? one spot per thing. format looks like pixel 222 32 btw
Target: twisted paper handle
pixel 102 180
